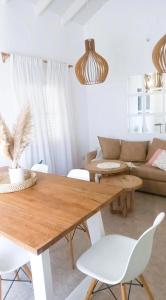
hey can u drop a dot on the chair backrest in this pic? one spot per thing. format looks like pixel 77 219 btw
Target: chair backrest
pixel 79 174
pixel 141 253
pixel 40 168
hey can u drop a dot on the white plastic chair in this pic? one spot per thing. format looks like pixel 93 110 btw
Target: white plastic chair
pixel 79 174
pixel 82 175
pixel 40 168
pixel 12 259
pixel 117 259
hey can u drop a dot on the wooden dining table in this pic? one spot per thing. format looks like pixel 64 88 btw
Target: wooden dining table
pixel 36 218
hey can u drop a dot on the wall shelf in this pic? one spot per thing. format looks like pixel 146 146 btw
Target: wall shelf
pixel 146 109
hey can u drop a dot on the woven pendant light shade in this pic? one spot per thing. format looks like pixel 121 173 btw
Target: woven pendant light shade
pixel 91 68
pixel 159 55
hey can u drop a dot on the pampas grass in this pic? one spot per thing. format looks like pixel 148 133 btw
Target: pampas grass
pixel 6 140
pixel 13 144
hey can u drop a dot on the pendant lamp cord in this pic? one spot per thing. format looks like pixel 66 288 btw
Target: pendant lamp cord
pixel 88 13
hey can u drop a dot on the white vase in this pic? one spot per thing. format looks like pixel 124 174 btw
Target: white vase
pixel 16 175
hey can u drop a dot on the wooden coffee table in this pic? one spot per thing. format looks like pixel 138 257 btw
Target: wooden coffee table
pixel 93 168
pixel 129 183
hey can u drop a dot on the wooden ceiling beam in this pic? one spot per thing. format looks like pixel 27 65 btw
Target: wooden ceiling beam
pixel 73 10
pixel 41 6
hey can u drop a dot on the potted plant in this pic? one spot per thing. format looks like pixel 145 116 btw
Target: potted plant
pixel 12 144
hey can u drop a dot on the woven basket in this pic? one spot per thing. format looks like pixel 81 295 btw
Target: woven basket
pixel 7 187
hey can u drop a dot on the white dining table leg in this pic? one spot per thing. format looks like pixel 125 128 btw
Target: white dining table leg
pixel 41 267
pixel 42 276
pixel 96 231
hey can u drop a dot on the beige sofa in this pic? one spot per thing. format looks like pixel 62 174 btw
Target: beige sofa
pixel 139 153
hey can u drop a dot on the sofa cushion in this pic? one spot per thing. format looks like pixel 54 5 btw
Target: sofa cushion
pixel 149 172
pixel 154 157
pixel 110 147
pixel 133 151
pixel 160 161
pixel 155 145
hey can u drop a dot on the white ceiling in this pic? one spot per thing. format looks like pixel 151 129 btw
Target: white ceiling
pixel 79 11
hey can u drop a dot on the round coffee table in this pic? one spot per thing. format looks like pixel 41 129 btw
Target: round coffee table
pixel 129 183
pixel 93 168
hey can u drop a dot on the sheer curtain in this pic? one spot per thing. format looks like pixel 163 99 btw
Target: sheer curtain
pixel 61 116
pixel 46 88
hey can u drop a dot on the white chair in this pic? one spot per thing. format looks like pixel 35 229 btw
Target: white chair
pixel 12 259
pixel 40 168
pixel 117 259
pixel 79 174
pixel 82 175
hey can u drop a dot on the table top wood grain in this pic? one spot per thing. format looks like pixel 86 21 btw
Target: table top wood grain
pixel 39 216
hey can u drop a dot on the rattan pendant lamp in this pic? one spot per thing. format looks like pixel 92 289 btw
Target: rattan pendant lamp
pixel 91 68
pixel 159 55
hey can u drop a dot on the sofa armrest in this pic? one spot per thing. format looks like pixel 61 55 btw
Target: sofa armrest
pixel 89 156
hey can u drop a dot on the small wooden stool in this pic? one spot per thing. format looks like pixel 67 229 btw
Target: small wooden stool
pixel 129 183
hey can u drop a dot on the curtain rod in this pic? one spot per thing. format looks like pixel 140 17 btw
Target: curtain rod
pixel 6 56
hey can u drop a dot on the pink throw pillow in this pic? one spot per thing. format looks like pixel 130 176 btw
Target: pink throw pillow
pixel 154 157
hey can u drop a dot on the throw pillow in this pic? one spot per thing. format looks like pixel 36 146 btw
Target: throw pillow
pixel 99 155
pixel 154 157
pixel 155 145
pixel 160 161
pixel 133 151
pixel 110 147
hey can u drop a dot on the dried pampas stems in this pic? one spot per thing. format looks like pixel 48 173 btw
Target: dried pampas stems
pixel 13 145
pixel 6 140
pixel 21 134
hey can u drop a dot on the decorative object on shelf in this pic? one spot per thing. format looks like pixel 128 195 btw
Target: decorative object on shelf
pixel 163 80
pixel 159 55
pixel 146 80
pixel 91 68
pixel 159 125
pixel 153 81
pixel 13 144
pixel 7 187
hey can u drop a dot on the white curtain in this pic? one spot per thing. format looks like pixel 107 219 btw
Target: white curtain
pixel 46 87
pixel 61 129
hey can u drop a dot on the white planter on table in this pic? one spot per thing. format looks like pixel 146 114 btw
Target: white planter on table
pixel 16 175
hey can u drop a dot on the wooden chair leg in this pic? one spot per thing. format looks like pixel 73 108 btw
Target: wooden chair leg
pixel 86 229
pixel 27 271
pixel 90 289
pixel 111 207
pixel 17 277
pixel 71 249
pixel 124 212
pixel 147 288
pixel 132 200
pixel 92 177
pixel 123 292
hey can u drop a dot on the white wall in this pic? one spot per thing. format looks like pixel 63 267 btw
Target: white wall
pixel 120 30
pixel 21 31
